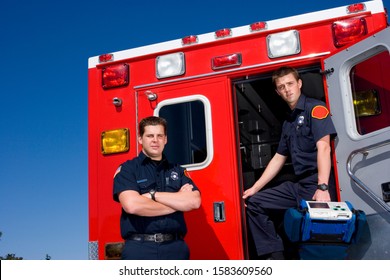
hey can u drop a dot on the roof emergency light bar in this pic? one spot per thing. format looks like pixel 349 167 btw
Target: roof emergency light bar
pixel 374 7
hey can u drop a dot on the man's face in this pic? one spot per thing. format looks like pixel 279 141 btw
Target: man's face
pixel 289 89
pixel 153 141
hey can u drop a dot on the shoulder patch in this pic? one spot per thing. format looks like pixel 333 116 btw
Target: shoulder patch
pixel 118 170
pixel 319 112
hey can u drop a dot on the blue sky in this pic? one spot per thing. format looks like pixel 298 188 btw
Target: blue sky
pixel 45 46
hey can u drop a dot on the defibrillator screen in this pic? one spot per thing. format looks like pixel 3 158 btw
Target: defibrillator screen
pixel 318 205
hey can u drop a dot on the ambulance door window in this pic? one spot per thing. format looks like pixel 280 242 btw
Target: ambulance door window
pixel 186 132
pixel 371 93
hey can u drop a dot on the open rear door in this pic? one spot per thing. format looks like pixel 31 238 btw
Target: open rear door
pixel 359 99
pixel 201 138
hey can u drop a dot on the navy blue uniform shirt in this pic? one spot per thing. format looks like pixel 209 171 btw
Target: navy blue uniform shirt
pixel 141 174
pixel 305 125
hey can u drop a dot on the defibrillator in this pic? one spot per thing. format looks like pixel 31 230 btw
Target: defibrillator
pixel 324 230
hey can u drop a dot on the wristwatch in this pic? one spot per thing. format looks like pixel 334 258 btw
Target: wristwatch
pixel 152 193
pixel 322 187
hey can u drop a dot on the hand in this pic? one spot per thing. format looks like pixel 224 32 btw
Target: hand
pixel 249 192
pixel 186 188
pixel 320 195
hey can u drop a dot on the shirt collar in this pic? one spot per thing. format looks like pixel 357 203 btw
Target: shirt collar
pixel 292 114
pixel 301 103
pixel 145 159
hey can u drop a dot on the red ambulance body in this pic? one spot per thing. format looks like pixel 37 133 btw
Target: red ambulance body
pixel 224 119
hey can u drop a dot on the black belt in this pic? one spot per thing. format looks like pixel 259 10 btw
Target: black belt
pixel 157 237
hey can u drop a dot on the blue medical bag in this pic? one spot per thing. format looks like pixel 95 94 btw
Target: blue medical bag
pixel 324 230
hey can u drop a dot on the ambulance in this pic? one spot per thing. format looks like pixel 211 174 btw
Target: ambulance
pixel 224 120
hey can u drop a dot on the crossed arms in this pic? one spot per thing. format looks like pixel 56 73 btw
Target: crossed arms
pixel 185 199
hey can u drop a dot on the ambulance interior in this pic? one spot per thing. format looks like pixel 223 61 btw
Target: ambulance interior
pixel 260 115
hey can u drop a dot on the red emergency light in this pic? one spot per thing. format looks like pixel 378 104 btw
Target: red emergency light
pixel 115 76
pixel 223 33
pixel 355 8
pixel 189 40
pixel 106 57
pixel 348 31
pixel 257 26
pixel 226 61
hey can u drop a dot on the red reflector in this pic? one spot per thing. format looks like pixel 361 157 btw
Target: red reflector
pixel 223 33
pixel 115 76
pixel 226 61
pixel 192 39
pixel 354 8
pixel 258 26
pixel 348 31
pixel 106 57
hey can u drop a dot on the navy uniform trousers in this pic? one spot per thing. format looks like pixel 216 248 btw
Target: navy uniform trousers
pixel 267 201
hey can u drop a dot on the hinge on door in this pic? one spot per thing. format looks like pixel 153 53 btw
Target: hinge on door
pixel 327 71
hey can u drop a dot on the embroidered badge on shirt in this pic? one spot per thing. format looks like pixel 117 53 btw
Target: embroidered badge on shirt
pixel 301 120
pixel 174 175
pixel 319 112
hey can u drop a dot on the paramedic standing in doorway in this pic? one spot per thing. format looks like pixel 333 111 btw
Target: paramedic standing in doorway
pixel 153 194
pixel 306 137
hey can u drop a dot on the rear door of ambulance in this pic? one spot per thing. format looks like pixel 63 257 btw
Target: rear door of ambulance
pixel 359 98
pixel 201 138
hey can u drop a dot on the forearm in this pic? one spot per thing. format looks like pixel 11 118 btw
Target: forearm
pixel 180 201
pixel 324 167
pixel 134 203
pixel 272 169
pixel 323 162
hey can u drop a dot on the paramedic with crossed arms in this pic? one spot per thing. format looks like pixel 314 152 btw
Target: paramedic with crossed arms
pixel 306 137
pixel 153 194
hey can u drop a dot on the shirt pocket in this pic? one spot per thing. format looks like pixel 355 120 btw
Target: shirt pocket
pixel 305 139
pixel 173 185
pixel 146 186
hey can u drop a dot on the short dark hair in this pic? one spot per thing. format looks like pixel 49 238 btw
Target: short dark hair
pixel 152 120
pixel 283 71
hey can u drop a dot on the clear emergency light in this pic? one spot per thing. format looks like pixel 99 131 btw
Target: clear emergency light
pixel 115 76
pixel 170 65
pixel 348 31
pixel 115 141
pixel 283 44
